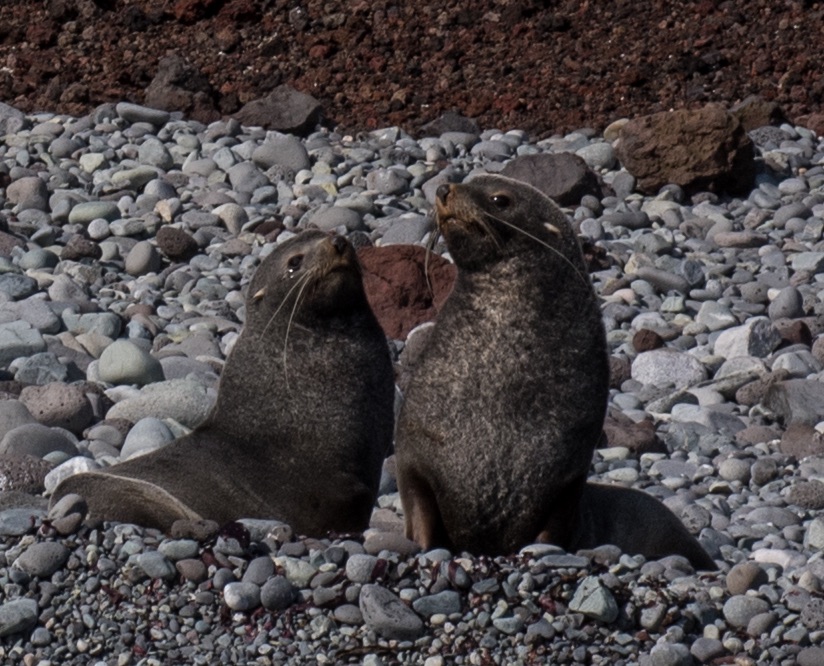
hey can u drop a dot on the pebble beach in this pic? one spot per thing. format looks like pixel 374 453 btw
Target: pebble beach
pixel 128 238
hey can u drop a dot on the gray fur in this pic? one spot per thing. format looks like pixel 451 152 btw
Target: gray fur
pixel 298 436
pixel 498 427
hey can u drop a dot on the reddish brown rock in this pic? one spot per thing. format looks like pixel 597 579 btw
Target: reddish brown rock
pixel 563 177
pixel 756 435
pixel 813 121
pixel 180 86
pixel 646 340
pixel 794 331
pixel 801 440
pixel 284 110
pixel 755 111
pixel 620 430
pixel 401 293
pixel 80 248
pixel 8 243
pixel 701 150
pixel 620 370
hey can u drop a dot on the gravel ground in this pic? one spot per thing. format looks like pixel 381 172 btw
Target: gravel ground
pixel 540 66
pixel 712 307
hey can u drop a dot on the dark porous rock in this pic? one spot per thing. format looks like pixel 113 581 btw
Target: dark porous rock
pixel 176 243
pixel 180 86
pixel 284 110
pixel 801 440
pixel 563 177
pixel 754 111
pixel 700 150
pixel 24 473
pixel 807 495
pixel 57 404
pixel 796 401
pixel 815 122
pixel 80 248
pixel 401 296
pixel 812 615
pixel 450 122
pixel 640 437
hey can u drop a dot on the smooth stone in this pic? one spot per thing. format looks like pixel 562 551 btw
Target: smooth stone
pixel 386 615
pixel 145 436
pixel 446 602
pixel 277 594
pixel 136 113
pixel 123 362
pixel 181 400
pixel 36 440
pixel 740 609
pixel 17 616
pixel 143 258
pixel 42 559
pixel 19 338
pixel 84 213
pixel 757 337
pixel 155 565
pixel 241 596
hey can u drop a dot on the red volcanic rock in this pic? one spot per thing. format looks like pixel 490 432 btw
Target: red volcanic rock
pixel 707 149
pixel 400 290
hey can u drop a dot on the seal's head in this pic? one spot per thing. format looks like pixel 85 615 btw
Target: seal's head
pixel 313 275
pixel 490 217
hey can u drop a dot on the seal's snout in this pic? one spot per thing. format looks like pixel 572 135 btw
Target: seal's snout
pixel 443 192
pixel 339 243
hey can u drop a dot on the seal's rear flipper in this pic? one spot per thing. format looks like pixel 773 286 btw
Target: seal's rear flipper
pixel 125 500
pixel 637 523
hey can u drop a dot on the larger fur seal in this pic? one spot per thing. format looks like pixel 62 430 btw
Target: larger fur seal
pixel 502 414
pixel 304 415
pixel 505 407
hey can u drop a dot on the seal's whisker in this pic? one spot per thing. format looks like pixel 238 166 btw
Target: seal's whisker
pixel 283 302
pixel 584 278
pixel 431 242
pixel 307 279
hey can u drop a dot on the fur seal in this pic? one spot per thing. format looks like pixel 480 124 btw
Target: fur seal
pixel 304 415
pixel 504 409
pixel 501 417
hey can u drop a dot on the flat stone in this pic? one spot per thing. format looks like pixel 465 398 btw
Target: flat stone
pixel 41 559
pixel 386 615
pixel 594 600
pixel 17 616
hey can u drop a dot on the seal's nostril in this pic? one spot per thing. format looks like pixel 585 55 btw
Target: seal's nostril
pixel 442 192
pixel 339 242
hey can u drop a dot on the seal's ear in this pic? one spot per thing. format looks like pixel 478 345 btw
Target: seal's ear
pixel 551 228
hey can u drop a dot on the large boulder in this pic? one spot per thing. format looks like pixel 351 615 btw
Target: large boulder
pixel 284 110
pixel 403 287
pixel 180 86
pixel 563 177
pixel 700 150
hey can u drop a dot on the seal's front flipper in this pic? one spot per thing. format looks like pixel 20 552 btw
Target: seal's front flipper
pixel 125 500
pixel 424 524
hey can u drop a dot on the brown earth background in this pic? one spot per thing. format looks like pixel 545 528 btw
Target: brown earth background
pixel 545 67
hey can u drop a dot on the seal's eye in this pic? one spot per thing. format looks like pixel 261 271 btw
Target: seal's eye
pixel 294 262
pixel 500 200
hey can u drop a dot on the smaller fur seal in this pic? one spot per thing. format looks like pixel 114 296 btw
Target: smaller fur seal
pixel 304 415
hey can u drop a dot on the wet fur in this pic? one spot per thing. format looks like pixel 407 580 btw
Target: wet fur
pixel 303 420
